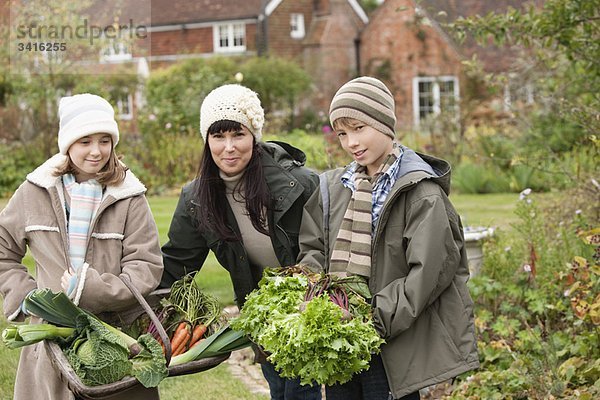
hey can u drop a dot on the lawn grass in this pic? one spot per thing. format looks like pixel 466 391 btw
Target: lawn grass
pixel 476 210
pixel 490 210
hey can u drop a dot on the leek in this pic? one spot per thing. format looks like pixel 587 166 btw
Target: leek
pixel 98 352
pixel 58 309
pixel 15 336
pixel 221 342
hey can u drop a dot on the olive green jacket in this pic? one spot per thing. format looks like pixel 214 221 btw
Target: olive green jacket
pixel 290 185
pixel 419 273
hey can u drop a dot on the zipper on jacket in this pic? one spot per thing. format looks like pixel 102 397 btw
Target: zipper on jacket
pixel 384 209
pixel 287 238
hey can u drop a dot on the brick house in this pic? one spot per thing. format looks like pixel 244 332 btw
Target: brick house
pixel 402 42
pixel 406 46
pixel 310 32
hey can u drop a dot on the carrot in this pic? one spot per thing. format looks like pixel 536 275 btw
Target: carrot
pixel 180 337
pixel 198 332
pixel 196 343
pixel 182 346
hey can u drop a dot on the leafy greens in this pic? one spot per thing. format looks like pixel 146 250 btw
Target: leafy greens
pixel 317 344
pixel 98 352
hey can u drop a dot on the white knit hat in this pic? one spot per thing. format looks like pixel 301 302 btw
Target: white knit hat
pixel 84 114
pixel 234 103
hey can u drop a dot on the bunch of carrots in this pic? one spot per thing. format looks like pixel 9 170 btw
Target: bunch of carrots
pixel 185 337
pixel 187 315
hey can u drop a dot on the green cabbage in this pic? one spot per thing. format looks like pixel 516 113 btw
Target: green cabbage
pixel 98 352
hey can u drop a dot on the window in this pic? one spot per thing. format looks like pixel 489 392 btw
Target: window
pixel 116 50
pixel 297 26
pixel 518 92
pixel 125 106
pixel 53 57
pixel 434 95
pixel 229 37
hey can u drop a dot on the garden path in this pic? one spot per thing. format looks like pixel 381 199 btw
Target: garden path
pixel 242 367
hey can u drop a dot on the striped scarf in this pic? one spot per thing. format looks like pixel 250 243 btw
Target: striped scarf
pixel 352 248
pixel 85 201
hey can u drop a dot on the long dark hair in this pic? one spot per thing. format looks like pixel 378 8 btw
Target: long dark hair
pixel 209 190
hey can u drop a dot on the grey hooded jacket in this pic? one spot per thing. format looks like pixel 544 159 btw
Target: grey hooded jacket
pixel 419 273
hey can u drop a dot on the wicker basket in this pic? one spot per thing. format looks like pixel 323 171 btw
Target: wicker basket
pixel 106 391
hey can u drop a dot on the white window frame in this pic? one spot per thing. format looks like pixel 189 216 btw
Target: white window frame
pixel 128 115
pixel 435 80
pixel 231 37
pixel 52 57
pixel 297 30
pixel 510 96
pixel 115 50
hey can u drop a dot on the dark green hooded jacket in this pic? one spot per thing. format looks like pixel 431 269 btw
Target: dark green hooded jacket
pixel 290 185
pixel 421 303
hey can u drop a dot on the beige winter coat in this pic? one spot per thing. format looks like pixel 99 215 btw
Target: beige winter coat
pixel 123 240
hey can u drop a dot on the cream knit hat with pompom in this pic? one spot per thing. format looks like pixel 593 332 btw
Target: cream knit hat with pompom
pixel 234 103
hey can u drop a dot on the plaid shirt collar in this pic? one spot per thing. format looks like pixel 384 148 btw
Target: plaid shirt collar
pixel 382 187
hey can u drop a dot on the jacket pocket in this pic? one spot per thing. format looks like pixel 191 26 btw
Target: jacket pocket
pixel 105 251
pixel 41 228
pixel 439 326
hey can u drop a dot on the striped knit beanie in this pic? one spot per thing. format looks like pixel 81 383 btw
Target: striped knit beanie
pixel 368 100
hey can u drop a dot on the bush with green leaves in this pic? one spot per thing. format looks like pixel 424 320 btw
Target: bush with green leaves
pixel 321 153
pixel 496 164
pixel 537 310
pixel 16 161
pixel 279 84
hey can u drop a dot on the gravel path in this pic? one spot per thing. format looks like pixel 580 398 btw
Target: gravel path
pixel 241 364
pixel 241 367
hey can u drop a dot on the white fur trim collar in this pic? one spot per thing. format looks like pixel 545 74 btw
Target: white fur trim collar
pixel 43 176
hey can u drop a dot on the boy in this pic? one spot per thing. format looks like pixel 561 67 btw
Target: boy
pixel 387 217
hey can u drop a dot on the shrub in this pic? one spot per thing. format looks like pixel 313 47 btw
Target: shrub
pixel 16 161
pixel 472 178
pixel 537 310
pixel 163 162
pixel 321 153
pixel 279 84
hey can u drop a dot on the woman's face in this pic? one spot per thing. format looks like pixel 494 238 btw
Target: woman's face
pixel 90 154
pixel 231 150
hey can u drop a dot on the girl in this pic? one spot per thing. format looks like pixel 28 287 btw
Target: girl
pixel 86 221
pixel 245 205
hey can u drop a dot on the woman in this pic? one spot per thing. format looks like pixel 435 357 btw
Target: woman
pixel 85 219
pixel 245 205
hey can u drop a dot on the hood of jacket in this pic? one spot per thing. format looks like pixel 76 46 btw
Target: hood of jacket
pixel 43 176
pixel 284 154
pixel 416 166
